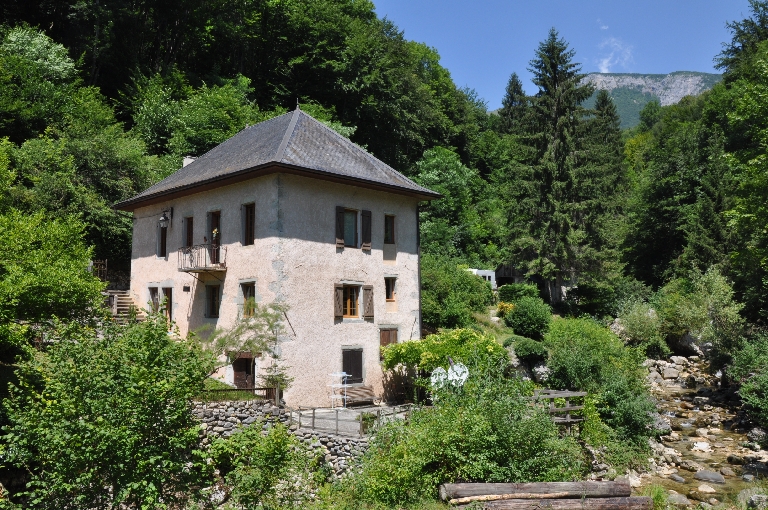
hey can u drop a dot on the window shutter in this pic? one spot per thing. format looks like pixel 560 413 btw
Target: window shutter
pixel 338 301
pixel 367 301
pixel 157 241
pixel 366 215
pixel 339 227
pixel 243 223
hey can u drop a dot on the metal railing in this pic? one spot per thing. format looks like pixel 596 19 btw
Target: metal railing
pixel 202 257
pixel 348 422
pixel 237 394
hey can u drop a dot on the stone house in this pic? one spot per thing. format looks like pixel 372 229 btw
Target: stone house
pixel 286 210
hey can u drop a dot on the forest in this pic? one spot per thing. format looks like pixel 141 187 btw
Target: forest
pixel 661 226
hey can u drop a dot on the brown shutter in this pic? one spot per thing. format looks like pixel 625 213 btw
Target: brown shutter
pixel 339 227
pixel 387 337
pixel 366 230
pixel 367 301
pixel 338 301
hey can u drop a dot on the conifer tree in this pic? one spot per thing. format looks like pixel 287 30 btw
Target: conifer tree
pixel 550 243
pixel 514 106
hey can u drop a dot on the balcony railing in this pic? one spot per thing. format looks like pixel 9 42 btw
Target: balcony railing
pixel 202 258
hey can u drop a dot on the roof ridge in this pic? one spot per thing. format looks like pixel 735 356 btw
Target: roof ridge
pixel 287 136
pixel 367 154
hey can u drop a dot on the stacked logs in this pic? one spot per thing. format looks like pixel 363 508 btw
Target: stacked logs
pixel 614 495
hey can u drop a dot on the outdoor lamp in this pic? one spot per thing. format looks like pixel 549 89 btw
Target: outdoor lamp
pixel 163 220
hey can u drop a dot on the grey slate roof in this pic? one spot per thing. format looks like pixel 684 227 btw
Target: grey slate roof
pixel 294 139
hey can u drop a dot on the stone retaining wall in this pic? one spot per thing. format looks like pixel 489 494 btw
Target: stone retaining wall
pixel 222 419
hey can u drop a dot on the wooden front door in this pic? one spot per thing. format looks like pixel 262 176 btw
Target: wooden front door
pixel 243 371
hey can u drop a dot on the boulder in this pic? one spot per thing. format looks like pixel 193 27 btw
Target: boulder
pixel 706 489
pixel 709 476
pixel 678 500
pixel 726 471
pixel 679 360
pixel 758 502
pixel 540 373
pixel 687 345
pixel 677 478
pixel 757 435
pixel 670 373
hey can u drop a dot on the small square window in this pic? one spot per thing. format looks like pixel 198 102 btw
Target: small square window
pixel 389 285
pixel 351 294
pixel 389 229
pixel 352 364
pixel 350 228
pixel 212 300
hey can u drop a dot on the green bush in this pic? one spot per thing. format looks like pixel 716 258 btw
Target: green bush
pixel 450 295
pixel 530 317
pixel 586 356
pixel 486 433
pixel 749 369
pixel 269 470
pixel 530 351
pixel 641 326
pixel 512 292
pixel 511 339
pixel 477 351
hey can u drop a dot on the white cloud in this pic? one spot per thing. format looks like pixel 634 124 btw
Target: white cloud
pixel 601 24
pixel 614 52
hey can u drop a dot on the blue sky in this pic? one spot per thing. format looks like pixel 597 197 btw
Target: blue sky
pixel 482 42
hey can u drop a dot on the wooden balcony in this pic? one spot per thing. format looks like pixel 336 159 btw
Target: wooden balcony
pixel 202 258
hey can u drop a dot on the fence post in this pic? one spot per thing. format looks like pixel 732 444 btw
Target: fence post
pixel 360 430
pixel 313 418
pixel 277 394
pixel 337 422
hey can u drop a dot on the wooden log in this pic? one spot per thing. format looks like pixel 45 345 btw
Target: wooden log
pixel 631 503
pixel 618 488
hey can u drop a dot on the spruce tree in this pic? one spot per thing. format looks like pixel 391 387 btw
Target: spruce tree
pixel 551 241
pixel 514 106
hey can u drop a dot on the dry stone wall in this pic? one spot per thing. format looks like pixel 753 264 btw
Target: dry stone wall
pixel 222 419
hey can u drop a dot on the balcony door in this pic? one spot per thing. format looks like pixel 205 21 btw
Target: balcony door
pixel 215 233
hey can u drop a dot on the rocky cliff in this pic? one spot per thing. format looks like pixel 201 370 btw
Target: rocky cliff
pixel 631 92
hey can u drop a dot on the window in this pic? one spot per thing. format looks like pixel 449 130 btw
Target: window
pixel 346 227
pixel 168 303
pixel 154 299
pixel 162 244
pixel 188 232
pixel 249 224
pixel 214 233
pixel 387 336
pixel 212 300
pixel 389 229
pixel 389 285
pixel 249 298
pixel 351 293
pixel 352 364
pixel 350 228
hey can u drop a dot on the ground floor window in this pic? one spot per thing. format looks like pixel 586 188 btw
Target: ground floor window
pixel 212 300
pixel 168 303
pixel 249 298
pixel 352 364
pixel 154 299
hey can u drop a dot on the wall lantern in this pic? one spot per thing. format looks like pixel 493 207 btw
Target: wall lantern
pixel 164 220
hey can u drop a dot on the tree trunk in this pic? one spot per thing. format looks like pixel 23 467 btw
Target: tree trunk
pixel 632 503
pixel 579 490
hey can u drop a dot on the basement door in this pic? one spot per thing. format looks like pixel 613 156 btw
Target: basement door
pixel 243 370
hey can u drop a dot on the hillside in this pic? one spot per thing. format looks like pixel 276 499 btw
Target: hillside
pixel 631 92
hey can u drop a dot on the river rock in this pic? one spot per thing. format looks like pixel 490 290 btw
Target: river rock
pixel 702 433
pixel 758 501
pixel 687 345
pixel 757 435
pixel 677 478
pixel 701 446
pixel 670 373
pixel 709 476
pixel 675 499
pixel 735 459
pixel 748 478
pixel 706 489
pixel 726 471
pixel 679 360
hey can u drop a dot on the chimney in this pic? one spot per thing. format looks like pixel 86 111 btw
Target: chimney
pixel 187 160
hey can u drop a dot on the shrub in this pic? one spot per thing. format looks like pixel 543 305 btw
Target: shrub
pixel 450 295
pixel 641 326
pixel 511 339
pixel 586 356
pixel 512 292
pixel 487 433
pixel 530 317
pixel 269 470
pixel 748 368
pixel 476 350
pixel 530 351
pixel 503 308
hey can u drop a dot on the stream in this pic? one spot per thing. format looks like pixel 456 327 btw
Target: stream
pixel 708 454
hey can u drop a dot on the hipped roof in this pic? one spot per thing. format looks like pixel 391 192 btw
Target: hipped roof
pixel 293 143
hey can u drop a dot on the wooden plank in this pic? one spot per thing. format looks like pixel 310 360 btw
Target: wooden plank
pixel 587 489
pixel 628 503
pixel 564 409
pixel 558 394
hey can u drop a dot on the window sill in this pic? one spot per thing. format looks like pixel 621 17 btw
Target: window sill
pixel 352 320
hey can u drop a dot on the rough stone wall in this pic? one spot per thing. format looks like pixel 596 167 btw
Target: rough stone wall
pixel 222 419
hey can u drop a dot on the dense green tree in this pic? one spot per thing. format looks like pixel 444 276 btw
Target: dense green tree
pixel 547 240
pixel 514 106
pixel 104 420
pixel 746 37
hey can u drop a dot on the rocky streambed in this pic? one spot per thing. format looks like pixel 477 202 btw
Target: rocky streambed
pixel 711 451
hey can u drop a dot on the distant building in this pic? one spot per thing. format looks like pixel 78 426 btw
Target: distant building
pixel 487 275
pixel 286 210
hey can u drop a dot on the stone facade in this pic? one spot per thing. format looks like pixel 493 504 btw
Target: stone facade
pixel 294 259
